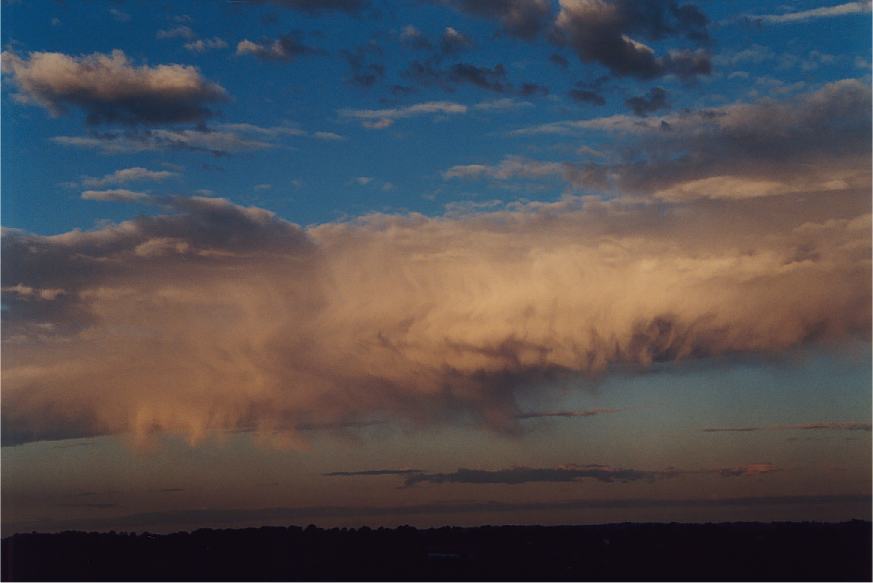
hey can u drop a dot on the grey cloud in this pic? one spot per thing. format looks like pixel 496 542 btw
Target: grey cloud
pixel 567 414
pixel 654 100
pixel 109 88
pixel 285 48
pixel 820 426
pixel 181 31
pixel 587 96
pixel 818 141
pixel 520 18
pixel 522 475
pixel 225 139
pixel 208 44
pixel 365 72
pixel 603 32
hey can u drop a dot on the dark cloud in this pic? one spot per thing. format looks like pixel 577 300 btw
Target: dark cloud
pixel 285 48
pixel 110 89
pixel 453 41
pixel 820 426
pixel 523 475
pixel 818 141
pixel 568 414
pixel 365 72
pixel 603 32
pixel 559 60
pixel 495 79
pixel 587 96
pixel 654 100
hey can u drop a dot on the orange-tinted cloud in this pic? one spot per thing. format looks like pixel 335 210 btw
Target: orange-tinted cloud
pixel 217 317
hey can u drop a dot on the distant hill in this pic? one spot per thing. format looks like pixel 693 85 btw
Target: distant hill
pixel 736 551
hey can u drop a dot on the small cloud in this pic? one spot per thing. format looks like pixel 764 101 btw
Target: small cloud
pixel 654 100
pixel 204 45
pixel 328 136
pixel 362 180
pixel 126 175
pixel 284 48
pixel 119 15
pixel 263 186
pixel 116 195
pixel 176 32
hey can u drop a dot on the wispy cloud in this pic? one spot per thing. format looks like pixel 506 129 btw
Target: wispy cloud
pixel 125 175
pixel 383 118
pixel 567 414
pixel 860 7
pixel 819 426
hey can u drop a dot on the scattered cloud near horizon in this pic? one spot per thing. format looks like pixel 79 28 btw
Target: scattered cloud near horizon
pixel 820 426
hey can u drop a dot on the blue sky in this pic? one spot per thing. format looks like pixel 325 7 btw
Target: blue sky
pixel 520 251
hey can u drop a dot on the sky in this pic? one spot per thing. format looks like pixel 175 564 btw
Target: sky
pixel 431 262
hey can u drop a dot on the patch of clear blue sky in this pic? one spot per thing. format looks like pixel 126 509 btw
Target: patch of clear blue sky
pixel 312 180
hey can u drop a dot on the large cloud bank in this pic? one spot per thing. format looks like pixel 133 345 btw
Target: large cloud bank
pixel 211 317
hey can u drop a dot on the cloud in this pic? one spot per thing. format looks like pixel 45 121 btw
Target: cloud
pixel 119 15
pixel 181 31
pixel 432 72
pixel 520 18
pixel 510 167
pixel 202 140
pixel 203 45
pixel 655 100
pixel 522 475
pixel 116 195
pixel 402 317
pixel 569 473
pixel 813 142
pixel 382 118
pixel 226 138
pixel 413 38
pixel 820 426
pixel 587 96
pixel 860 7
pixel 453 41
pixel 285 48
pixel 364 73
pixel 602 31
pixel 110 89
pixel 748 470
pixel 125 175
pixel 567 414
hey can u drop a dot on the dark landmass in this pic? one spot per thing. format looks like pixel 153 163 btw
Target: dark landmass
pixel 736 551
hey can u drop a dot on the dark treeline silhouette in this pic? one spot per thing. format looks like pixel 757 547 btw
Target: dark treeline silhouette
pixel 737 551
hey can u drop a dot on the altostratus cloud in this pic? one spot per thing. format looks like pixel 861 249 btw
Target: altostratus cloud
pixel 819 426
pixel 215 317
pixel 109 88
pixel 858 7
pixel 568 473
